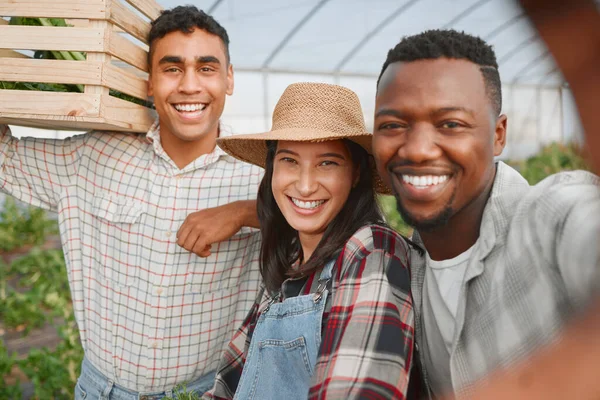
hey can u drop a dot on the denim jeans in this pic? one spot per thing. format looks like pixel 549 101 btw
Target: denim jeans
pixel 93 385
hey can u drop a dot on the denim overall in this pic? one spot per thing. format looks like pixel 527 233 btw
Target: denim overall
pixel 284 347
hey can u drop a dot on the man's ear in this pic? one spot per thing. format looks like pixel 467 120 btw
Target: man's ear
pixel 230 80
pixel 150 87
pixel 500 135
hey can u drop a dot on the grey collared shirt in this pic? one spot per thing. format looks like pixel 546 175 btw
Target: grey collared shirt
pixel 535 266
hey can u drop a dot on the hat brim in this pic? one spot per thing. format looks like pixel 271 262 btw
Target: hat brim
pixel 252 148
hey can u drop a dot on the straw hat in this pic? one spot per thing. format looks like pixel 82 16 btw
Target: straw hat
pixel 308 112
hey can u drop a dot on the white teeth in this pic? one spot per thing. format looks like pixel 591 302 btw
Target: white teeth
pixel 190 107
pixel 424 181
pixel 308 205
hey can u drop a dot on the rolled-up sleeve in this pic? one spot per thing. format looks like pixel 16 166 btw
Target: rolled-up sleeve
pixel 37 171
pixel 562 227
pixel 576 222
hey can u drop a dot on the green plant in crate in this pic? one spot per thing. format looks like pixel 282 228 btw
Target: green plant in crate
pixel 58 55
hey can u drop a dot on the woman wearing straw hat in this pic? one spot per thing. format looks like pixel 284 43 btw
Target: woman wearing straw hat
pixel 335 318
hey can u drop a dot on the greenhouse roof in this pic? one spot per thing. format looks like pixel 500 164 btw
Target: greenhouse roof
pixel 352 37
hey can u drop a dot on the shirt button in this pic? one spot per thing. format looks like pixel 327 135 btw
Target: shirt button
pixel 159 291
pixel 178 177
pixel 155 345
pixel 168 234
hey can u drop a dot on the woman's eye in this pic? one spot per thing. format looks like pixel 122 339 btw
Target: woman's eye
pixel 327 163
pixel 287 160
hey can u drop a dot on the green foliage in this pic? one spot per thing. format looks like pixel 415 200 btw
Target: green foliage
pixel 37 21
pixel 392 216
pixel 34 291
pixel 41 292
pixel 551 159
pixel 20 227
pixel 181 393
pixel 47 371
pixel 7 363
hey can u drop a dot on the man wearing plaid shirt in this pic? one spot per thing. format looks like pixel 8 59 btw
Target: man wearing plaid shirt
pixel 507 265
pixel 151 313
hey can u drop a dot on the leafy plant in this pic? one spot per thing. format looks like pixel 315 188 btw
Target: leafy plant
pixel 551 159
pixel 34 291
pixel 21 226
pixel 392 216
pixel 7 364
pixel 181 393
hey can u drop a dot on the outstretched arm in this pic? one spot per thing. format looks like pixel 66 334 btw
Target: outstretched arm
pixel 569 368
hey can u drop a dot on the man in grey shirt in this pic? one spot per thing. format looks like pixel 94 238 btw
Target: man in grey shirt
pixel 507 265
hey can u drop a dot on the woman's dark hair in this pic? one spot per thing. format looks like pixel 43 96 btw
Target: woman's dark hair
pixel 280 242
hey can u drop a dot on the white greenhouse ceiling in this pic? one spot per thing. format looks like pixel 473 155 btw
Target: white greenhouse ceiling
pixel 352 37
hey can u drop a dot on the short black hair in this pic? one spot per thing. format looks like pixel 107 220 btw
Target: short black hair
pixel 185 19
pixel 448 43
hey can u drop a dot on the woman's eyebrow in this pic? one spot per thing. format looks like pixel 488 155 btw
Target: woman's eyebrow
pixel 286 152
pixel 336 155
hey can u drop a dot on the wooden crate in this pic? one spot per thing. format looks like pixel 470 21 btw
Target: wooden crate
pixel 104 30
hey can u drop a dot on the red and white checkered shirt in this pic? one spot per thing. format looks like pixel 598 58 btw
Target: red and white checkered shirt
pixel 151 314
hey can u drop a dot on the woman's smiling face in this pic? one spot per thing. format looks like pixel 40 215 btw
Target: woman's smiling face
pixel 311 183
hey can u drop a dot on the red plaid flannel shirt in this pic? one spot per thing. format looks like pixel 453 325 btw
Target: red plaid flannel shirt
pixel 367 337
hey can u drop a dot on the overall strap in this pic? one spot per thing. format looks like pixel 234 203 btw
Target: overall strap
pixel 327 271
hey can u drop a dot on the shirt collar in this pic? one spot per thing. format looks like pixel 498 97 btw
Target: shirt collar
pixel 153 137
pixel 509 188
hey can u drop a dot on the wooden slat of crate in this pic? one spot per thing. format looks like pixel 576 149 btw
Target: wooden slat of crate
pixel 125 19
pixel 6 52
pixel 62 123
pixel 50 71
pixel 123 81
pixel 52 38
pixel 129 115
pixel 92 9
pixel 124 49
pixel 149 8
pixel 87 40
pixel 74 111
pixel 48 103
pixel 94 109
